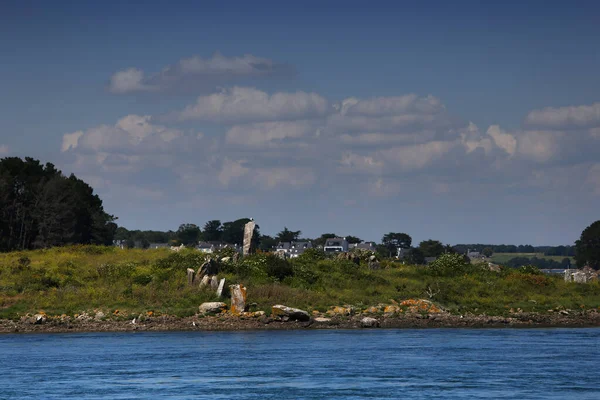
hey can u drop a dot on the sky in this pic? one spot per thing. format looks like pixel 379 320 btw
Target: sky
pixel 464 122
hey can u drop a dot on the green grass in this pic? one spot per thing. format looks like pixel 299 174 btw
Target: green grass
pixel 72 280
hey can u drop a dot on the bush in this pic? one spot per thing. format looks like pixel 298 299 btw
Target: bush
pixel 450 265
pixel 266 264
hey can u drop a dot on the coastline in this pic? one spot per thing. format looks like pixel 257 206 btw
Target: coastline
pixel 228 322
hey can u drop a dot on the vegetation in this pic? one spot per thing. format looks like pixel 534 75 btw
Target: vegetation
pixel 40 207
pixel 74 279
pixel 588 247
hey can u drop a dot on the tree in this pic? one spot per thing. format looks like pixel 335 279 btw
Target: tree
pixel 40 207
pixel 213 230
pixel 487 252
pixel 395 240
pixel 431 248
pixel 353 239
pixel 587 248
pixel 288 236
pixel 188 234
pixel 320 241
pixel 415 257
pixel 233 232
pixel 266 243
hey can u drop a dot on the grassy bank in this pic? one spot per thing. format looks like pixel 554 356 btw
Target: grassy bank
pixel 71 280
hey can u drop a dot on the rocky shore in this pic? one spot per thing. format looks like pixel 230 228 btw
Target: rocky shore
pixel 331 320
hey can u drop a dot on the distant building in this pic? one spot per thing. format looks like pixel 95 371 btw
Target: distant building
pixel 158 246
pixel 363 246
pixel 335 245
pixel 211 247
pixel 293 249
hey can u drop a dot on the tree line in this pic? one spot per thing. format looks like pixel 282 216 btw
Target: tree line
pixel 40 207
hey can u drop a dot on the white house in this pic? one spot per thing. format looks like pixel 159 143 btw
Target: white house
pixel 335 245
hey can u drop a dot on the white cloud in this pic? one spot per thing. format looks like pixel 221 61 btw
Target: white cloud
pixel 128 80
pixel 353 162
pixel 565 117
pixel 132 133
pixel 541 146
pixel 241 104
pixel 3 149
pixel 382 106
pixel 417 156
pixel 269 133
pixel 505 141
pixel 196 72
pixel 232 170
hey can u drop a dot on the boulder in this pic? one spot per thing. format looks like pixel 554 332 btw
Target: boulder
pixel 337 310
pixel 225 259
pixel 39 319
pixel 99 315
pixel 289 312
pixel 374 265
pixel 322 319
pixel 214 307
pixel 238 298
pixel 368 322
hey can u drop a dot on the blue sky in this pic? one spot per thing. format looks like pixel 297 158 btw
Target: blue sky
pixel 463 122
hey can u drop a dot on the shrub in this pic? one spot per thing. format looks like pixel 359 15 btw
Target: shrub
pixel 450 265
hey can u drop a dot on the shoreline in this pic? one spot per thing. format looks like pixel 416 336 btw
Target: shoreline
pixel 231 323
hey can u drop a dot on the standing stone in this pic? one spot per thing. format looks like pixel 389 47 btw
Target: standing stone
pixel 238 298
pixel 205 281
pixel 221 287
pixel 190 276
pixel 248 232
pixel 568 275
pixel 214 282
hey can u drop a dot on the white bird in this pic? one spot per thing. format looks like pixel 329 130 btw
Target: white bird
pixel 193 323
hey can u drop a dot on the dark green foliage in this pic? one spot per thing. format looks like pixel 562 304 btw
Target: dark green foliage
pixel 451 265
pixel 587 248
pixel 431 248
pixel 188 234
pixel 529 269
pixel 40 208
pixel 288 236
pixel 396 240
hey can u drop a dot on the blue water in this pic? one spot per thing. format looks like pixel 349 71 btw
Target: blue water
pixel 357 364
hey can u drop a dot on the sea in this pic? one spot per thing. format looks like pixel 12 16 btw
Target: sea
pixel 304 364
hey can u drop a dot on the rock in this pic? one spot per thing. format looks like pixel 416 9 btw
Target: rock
pixel 373 258
pixel 214 282
pixel 39 319
pixel 99 315
pixel 372 310
pixel 291 313
pixel 373 265
pixel 337 310
pixel 259 313
pixel 322 319
pixel 238 298
pixel 210 267
pixel 248 233
pixel 205 281
pixel 368 322
pixel 214 307
pixel 225 259
pixel 221 287
pixel 190 276
pixel 391 309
